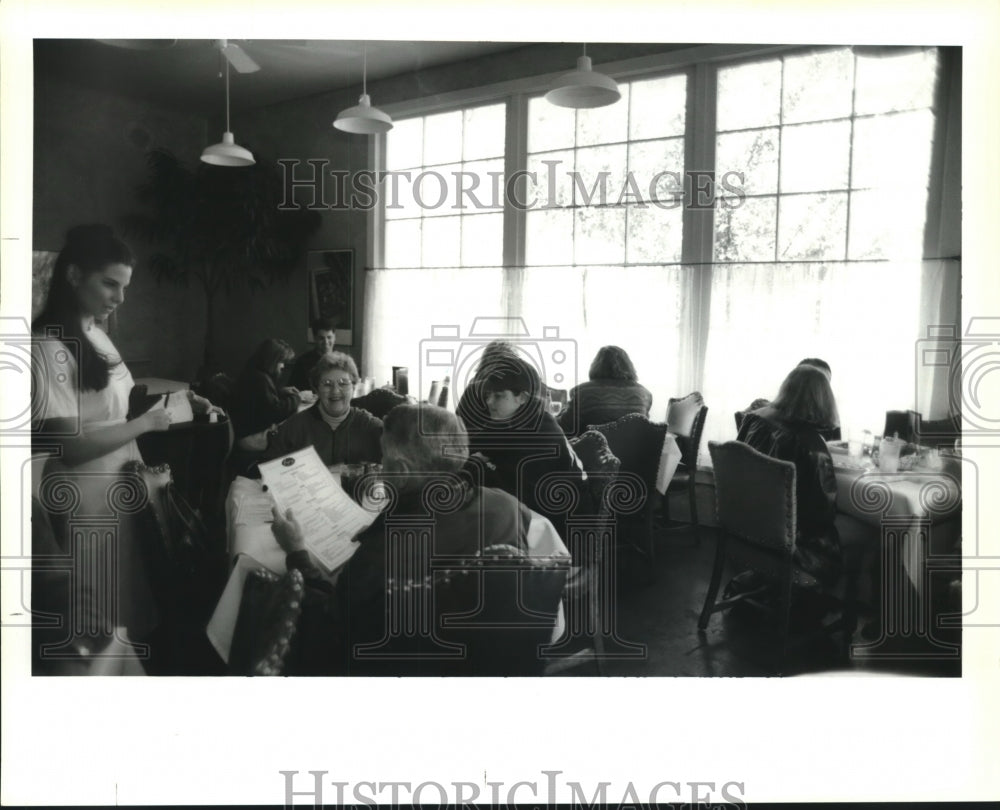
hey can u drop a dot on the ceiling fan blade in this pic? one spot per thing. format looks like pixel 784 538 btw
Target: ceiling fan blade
pixel 239 59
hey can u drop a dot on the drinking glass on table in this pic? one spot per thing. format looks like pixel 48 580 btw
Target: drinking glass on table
pixel 855 445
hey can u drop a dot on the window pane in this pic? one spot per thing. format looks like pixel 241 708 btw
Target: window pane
pixel 549 126
pixel 404 144
pixel 895 82
pixel 554 184
pixel 599 236
pixel 755 153
pixel 818 86
pixel 477 190
pixel 815 157
pixel 650 160
pixel 812 226
pixel 434 190
pixel 549 236
pixel 482 240
pixel 442 138
pixel 658 107
pixel 442 242
pixel 604 124
pixel 745 232
pixel 887 224
pixel 484 132
pixel 402 243
pixel 654 235
pixel 749 96
pixel 588 189
pixel 893 150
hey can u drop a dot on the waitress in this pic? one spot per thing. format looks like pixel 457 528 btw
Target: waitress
pixel 81 401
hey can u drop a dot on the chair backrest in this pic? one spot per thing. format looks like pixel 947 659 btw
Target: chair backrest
pixel 638 443
pixel 904 423
pixel 755 496
pixel 686 420
pixel 379 402
pixel 269 613
pixel 600 464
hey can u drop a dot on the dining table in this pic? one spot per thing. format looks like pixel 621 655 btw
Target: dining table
pixel 911 519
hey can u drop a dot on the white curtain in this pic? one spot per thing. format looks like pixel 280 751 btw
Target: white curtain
pixel 568 313
pixel 865 319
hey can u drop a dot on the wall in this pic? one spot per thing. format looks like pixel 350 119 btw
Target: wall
pixel 89 156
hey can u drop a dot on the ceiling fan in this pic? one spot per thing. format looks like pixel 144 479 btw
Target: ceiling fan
pixel 240 60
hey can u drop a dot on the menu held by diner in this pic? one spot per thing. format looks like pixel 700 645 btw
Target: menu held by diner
pixel 328 516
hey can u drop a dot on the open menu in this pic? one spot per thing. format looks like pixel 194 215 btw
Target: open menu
pixel 329 518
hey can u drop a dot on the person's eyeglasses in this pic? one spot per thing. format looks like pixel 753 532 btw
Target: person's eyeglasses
pixel 338 383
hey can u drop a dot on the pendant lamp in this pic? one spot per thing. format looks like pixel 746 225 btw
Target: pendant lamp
pixel 227 152
pixel 583 88
pixel 364 119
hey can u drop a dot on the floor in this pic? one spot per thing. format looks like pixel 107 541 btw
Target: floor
pixel 659 608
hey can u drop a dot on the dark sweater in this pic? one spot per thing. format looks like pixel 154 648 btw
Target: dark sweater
pixel 336 617
pixel 599 401
pixel 817 543
pixel 257 403
pixel 299 376
pixel 356 440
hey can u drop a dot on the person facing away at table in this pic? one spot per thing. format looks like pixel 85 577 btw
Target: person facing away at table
pixel 80 410
pixel 520 448
pixel 324 339
pixel 341 433
pixel 833 433
pixel 612 391
pixel 791 428
pixel 424 448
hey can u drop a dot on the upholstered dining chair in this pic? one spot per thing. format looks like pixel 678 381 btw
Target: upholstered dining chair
pixel 379 401
pixel 268 617
pixel 590 545
pixel 756 507
pixel 686 420
pixel 638 443
pixel 904 423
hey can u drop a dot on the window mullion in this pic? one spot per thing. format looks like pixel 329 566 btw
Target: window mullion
pixel 699 238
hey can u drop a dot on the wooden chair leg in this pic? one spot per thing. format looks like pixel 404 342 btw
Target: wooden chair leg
pixel 693 501
pixel 714 583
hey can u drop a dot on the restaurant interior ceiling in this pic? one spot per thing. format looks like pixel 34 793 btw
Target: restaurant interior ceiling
pixel 179 74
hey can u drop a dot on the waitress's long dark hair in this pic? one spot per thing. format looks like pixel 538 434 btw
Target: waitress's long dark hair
pixel 91 248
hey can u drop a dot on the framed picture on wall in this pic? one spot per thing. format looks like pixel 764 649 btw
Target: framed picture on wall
pixel 331 291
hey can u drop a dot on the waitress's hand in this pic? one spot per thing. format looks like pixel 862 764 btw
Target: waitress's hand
pixel 200 405
pixel 155 420
pixel 287 531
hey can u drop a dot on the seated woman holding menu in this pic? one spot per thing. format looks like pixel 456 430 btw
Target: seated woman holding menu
pixel 340 433
pixel 424 448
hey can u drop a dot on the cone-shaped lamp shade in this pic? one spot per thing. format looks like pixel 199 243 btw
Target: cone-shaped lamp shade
pixel 363 119
pixel 583 88
pixel 227 153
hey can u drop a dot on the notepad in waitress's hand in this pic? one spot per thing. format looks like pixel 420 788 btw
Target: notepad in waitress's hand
pixel 329 518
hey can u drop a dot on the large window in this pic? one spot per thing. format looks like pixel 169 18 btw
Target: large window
pixel 815 244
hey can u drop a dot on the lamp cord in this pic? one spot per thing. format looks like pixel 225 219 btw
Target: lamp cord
pixel 227 95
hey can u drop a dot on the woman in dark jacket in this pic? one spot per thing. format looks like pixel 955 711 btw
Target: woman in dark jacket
pixel 519 447
pixel 613 391
pixel 257 402
pixel 791 428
